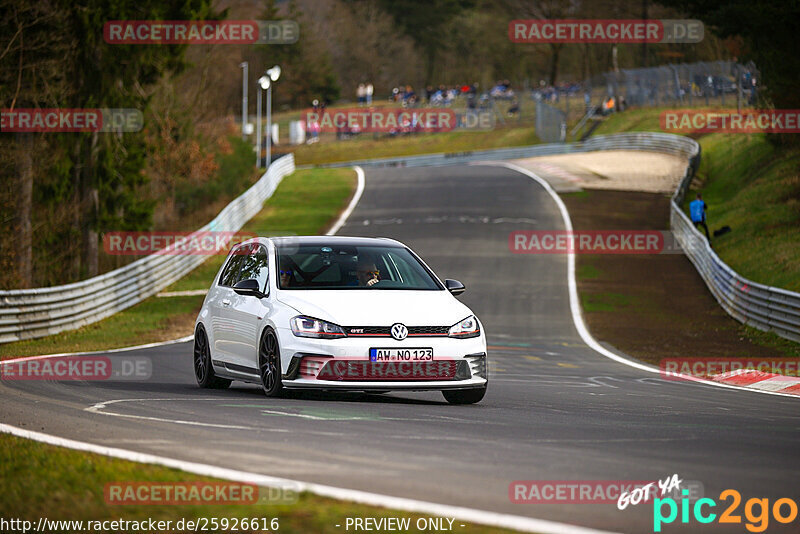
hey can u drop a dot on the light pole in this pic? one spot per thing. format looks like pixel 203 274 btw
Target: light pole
pixel 243 64
pixel 263 83
pixel 274 73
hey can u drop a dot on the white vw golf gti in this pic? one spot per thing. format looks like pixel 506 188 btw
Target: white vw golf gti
pixel 337 313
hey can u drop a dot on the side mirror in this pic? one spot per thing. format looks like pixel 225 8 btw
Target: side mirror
pixel 249 287
pixel 454 286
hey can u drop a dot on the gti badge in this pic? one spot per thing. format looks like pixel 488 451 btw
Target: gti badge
pixel 399 331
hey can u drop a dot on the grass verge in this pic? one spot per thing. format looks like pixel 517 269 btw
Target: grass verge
pixel 306 203
pixel 367 146
pixel 70 486
pixel 754 188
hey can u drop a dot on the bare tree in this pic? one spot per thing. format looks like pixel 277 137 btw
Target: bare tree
pixel 30 55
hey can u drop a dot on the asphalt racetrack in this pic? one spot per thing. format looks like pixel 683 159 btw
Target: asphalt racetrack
pixel 555 409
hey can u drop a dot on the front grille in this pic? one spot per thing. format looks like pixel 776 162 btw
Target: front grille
pixel 367 330
pixel 385 331
pixel 428 330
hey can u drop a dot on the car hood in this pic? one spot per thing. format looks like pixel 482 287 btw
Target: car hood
pixel 378 307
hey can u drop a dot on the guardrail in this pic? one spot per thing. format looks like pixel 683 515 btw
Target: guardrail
pixel 763 307
pixel 32 313
pixel 673 144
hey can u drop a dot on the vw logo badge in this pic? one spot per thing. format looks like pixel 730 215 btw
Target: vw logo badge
pixel 399 331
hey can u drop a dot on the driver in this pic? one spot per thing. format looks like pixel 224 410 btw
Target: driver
pixel 286 275
pixel 367 273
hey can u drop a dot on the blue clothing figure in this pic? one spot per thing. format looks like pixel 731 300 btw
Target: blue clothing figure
pixel 697 211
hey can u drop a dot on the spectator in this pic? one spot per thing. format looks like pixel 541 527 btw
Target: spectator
pixel 514 109
pixel 437 98
pixel 361 94
pixel 368 91
pixel 697 210
pixel 313 131
pixel 313 127
pixel 409 97
pixel 608 106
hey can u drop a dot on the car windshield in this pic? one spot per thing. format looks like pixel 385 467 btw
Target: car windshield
pixel 321 266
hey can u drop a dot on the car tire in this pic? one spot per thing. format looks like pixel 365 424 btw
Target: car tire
pixel 203 370
pixel 464 396
pixel 269 364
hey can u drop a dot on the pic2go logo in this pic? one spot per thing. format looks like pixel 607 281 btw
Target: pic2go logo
pixel 757 521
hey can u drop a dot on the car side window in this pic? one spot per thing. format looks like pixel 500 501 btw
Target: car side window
pixel 256 266
pixel 230 275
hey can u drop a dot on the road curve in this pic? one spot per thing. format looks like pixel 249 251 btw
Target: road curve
pixel 555 409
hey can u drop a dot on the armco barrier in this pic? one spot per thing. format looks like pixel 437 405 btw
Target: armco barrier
pixel 763 307
pixel 672 144
pixel 32 313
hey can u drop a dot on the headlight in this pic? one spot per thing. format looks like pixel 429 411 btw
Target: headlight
pixel 466 328
pixel 303 326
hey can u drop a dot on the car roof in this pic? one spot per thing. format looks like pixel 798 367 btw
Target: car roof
pixel 321 240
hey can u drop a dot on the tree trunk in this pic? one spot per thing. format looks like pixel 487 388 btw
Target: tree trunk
pixel 90 205
pixel 430 63
pixel 75 248
pixel 90 245
pixel 555 53
pixel 24 193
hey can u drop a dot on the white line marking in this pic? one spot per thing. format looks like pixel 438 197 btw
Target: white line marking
pixel 574 302
pixel 106 351
pixel 100 407
pixel 322 418
pixel 353 201
pixel 525 524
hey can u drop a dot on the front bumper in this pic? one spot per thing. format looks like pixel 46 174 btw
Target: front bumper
pixel 305 363
pixel 436 385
